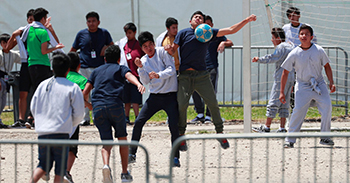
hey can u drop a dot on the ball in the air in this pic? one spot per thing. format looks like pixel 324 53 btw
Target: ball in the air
pixel 203 33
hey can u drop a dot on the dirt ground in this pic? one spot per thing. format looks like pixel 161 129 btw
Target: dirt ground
pixel 257 160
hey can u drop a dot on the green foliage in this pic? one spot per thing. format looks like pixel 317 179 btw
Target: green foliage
pixel 228 113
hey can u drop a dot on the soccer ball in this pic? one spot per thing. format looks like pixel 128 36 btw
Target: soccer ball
pixel 203 33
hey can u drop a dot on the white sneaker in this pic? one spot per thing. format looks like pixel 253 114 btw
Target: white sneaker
pixel 107 176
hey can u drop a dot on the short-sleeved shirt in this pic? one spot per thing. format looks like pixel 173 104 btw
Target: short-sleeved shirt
pixel 133 47
pixel 36 37
pixel 108 81
pixel 211 58
pixel 77 78
pixel 192 51
pixel 307 63
pixel 169 41
pixel 91 41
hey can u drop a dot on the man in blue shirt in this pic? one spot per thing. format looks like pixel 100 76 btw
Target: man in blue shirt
pixel 92 42
pixel 211 60
pixel 193 75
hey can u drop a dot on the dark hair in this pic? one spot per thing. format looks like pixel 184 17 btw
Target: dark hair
pixel 74 60
pixel 170 21
pixel 92 14
pixel 40 13
pixel 208 17
pixel 278 33
pixel 200 13
pixel 60 64
pixel 144 37
pixel 130 26
pixel 306 26
pixel 4 37
pixel 112 54
pixel 30 13
pixel 293 10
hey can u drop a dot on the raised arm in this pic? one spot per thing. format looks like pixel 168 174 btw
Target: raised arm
pixel 235 28
pixel 329 74
pixel 12 41
pixel 48 25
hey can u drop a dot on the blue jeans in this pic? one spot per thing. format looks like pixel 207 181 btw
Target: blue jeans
pixel 106 117
pixel 155 103
pixel 50 154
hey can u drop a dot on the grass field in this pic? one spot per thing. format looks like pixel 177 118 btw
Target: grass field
pixel 228 113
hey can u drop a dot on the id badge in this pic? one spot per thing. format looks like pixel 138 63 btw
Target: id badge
pixel 93 54
pixel 128 56
pixel 6 78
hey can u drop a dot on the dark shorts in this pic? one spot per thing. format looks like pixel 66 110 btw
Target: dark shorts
pixel 57 154
pixel 24 79
pixel 106 117
pixel 75 136
pixel 131 94
pixel 39 73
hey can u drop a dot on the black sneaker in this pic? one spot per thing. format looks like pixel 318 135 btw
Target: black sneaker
pixel 68 178
pixel 261 129
pixel 18 123
pixel 126 177
pixel 327 142
pixel 29 124
pixel 85 123
pixel 224 143
pixel 197 120
pixel 289 145
pixel 281 130
pixel 132 158
pixel 2 125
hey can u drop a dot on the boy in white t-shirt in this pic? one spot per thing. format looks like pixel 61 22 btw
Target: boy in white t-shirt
pixel 308 59
pixel 292 29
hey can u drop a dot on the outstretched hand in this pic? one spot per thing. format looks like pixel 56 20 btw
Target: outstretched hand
pixel 141 88
pixel 251 18
pixel 255 59
pixel 59 46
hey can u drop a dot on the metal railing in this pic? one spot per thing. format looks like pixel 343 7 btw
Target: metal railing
pixel 262 158
pixel 230 87
pixel 21 165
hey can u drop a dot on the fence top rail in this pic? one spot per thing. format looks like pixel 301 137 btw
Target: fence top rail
pixel 262 135
pixel 272 47
pixel 72 142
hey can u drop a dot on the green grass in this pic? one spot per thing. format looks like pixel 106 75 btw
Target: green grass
pixel 228 113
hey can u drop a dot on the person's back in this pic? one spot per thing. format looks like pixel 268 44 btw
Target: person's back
pixel 58 106
pixel 36 37
pixel 60 92
pixel 108 110
pixel 108 83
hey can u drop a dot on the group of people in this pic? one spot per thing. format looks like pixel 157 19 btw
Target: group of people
pixel 299 63
pixel 175 66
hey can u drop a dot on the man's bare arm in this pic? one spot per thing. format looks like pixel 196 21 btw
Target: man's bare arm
pixel 235 28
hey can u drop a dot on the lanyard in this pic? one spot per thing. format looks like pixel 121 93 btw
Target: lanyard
pixel 132 47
